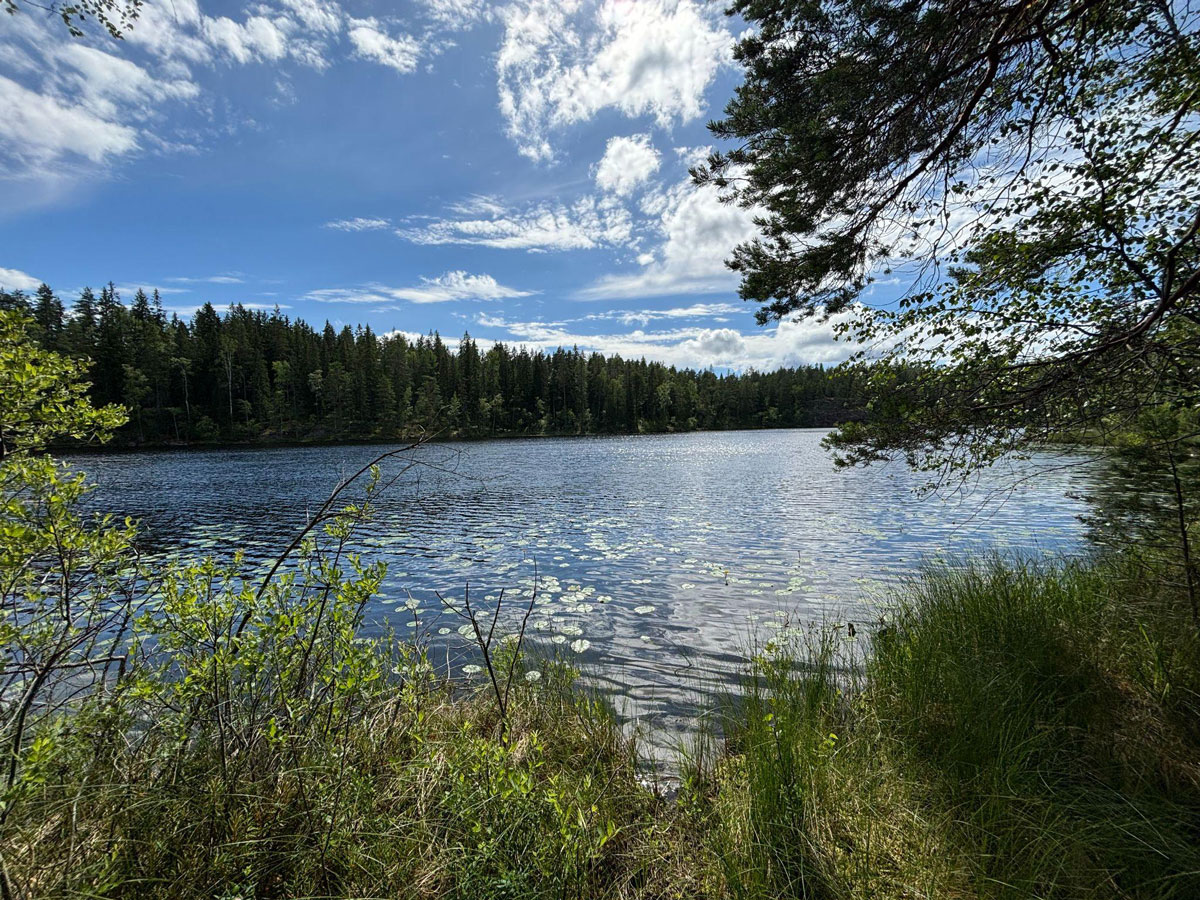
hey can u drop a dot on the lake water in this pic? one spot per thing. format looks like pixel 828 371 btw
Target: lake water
pixel 659 558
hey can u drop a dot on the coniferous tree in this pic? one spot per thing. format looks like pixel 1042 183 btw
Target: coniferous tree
pixel 247 375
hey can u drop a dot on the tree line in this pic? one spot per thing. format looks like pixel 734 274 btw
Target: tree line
pixel 250 375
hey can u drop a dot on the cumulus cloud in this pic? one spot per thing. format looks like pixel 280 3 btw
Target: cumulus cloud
pixel 628 162
pixel 371 41
pixel 64 102
pixel 359 223
pixel 563 61
pixel 16 280
pixel 456 285
pixel 584 225
pixel 256 39
pixel 38 128
pixel 317 16
pixel 696 232
pixel 790 343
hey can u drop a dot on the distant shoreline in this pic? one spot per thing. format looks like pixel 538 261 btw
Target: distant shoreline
pixel 113 449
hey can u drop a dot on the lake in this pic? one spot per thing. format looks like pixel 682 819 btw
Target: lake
pixel 659 557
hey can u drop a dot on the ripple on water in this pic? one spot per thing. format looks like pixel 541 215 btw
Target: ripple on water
pixel 653 560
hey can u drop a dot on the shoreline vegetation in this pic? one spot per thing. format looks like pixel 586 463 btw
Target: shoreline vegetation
pixel 111 447
pixel 195 729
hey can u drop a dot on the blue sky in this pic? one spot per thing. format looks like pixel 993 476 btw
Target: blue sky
pixel 518 170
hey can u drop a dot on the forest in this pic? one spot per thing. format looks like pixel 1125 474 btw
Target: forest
pixel 248 375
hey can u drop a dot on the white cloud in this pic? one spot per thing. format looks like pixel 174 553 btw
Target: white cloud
pixel 256 39
pixel 16 280
pixel 457 285
pixel 698 232
pixel 172 31
pixel 37 128
pixel 178 30
pixel 456 14
pixel 718 311
pixel 111 86
pixel 372 42
pixel 66 103
pixel 226 278
pixel 587 224
pixel 563 61
pixel 317 16
pixel 627 163
pixel 359 223
pixel 790 343
pixel 128 290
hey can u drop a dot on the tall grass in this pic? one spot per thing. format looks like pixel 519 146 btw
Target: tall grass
pixel 1018 731
pixel 1014 731
pixel 414 797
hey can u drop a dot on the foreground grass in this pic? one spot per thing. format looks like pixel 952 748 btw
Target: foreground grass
pixel 416 798
pixel 1016 732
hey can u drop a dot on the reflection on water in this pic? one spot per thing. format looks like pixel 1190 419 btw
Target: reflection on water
pixel 657 556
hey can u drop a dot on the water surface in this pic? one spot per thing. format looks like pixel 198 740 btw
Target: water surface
pixel 658 557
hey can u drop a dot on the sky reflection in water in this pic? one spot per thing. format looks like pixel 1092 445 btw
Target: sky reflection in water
pixel 658 557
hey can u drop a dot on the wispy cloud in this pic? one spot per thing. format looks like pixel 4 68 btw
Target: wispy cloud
pixel 372 41
pixel 586 224
pixel 717 311
pixel 191 310
pixel 359 223
pixel 696 234
pixel 457 285
pixel 225 278
pixel 131 288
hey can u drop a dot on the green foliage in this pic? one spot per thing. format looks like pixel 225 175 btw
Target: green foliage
pixel 1148 499
pixel 43 397
pixel 115 16
pixel 201 730
pixel 1030 172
